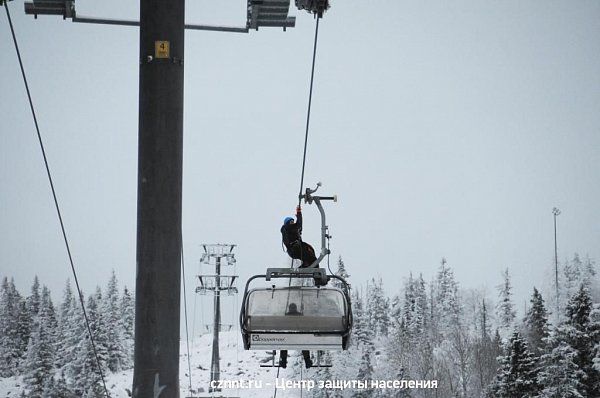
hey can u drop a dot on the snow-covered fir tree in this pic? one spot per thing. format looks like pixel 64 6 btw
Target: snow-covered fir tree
pixel 535 324
pixel 409 348
pixel 581 333
pixel 39 364
pixel 24 324
pixel 66 344
pixel 74 339
pixel 10 344
pixel 377 308
pixel 573 274
pixel 365 372
pixel 46 303
pixel 505 309
pixel 341 272
pixel 595 319
pixel 127 309
pixel 91 352
pixel 486 349
pixel 115 336
pixel 445 302
pixel 360 329
pixel 560 376
pixel 34 299
pixel 324 373
pixel 518 372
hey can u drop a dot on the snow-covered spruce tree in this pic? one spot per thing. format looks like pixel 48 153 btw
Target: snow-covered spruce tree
pixel 505 309
pixel 10 343
pixel 115 336
pixel 535 324
pixel 323 374
pixel 46 302
pixel 595 318
pixel 377 308
pixel 575 273
pixel 462 352
pixel 590 278
pixel 49 388
pixel 445 306
pixel 61 389
pixel 572 273
pixel 65 344
pixel 517 375
pixel 89 373
pixel 449 343
pixel 39 364
pixel 581 332
pixel 409 348
pixel 24 330
pixel 415 309
pixel 99 326
pixel 33 301
pixel 560 376
pixel 127 309
pixel 361 334
pixel 74 340
pixel 341 272
pixel 485 351
pixel 365 372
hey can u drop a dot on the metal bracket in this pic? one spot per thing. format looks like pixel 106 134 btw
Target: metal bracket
pixel 318 274
pixel 309 198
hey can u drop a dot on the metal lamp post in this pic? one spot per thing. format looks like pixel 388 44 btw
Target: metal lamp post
pixel 556 212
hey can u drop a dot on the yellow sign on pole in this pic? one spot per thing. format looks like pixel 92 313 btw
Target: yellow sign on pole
pixel 161 49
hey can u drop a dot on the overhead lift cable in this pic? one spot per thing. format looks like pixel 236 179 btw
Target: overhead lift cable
pixel 187 336
pixel 62 226
pixel 312 76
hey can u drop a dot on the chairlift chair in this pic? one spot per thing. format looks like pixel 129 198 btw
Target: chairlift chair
pixel 296 317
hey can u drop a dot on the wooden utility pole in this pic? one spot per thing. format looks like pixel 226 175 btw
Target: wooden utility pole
pixel 160 147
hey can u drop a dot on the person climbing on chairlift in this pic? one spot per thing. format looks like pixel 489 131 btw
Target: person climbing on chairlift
pixel 293 310
pixel 291 236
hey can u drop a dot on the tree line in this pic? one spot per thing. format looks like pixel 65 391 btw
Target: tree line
pixel 50 346
pixel 472 345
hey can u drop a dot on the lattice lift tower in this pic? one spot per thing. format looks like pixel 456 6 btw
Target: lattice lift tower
pixel 216 284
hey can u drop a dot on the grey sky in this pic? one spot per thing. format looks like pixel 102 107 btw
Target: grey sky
pixel 446 128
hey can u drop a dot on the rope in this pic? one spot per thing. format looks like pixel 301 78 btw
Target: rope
pixel 187 337
pixel 312 76
pixel 62 226
pixel 301 376
pixel 276 377
pixel 328 254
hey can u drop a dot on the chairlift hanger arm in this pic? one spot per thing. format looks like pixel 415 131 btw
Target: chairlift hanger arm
pixel 310 198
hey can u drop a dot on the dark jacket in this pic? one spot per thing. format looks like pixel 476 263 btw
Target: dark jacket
pixel 291 233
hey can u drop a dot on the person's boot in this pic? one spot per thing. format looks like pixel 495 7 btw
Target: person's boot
pixel 282 361
pixel 307 361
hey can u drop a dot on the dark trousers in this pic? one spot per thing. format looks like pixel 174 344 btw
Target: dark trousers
pixel 302 251
pixel 283 358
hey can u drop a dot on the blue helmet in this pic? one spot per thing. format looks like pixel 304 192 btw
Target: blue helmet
pixel 287 220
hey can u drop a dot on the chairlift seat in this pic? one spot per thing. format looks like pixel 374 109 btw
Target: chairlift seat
pixel 296 317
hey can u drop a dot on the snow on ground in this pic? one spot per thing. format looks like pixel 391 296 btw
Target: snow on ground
pixel 236 365
pixel 10 387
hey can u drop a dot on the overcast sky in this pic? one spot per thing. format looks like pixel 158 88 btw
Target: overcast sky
pixel 448 129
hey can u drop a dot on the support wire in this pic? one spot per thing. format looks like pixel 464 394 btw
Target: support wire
pixel 312 76
pixel 187 336
pixel 60 219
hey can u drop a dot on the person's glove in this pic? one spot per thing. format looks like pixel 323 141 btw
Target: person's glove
pixel 298 209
